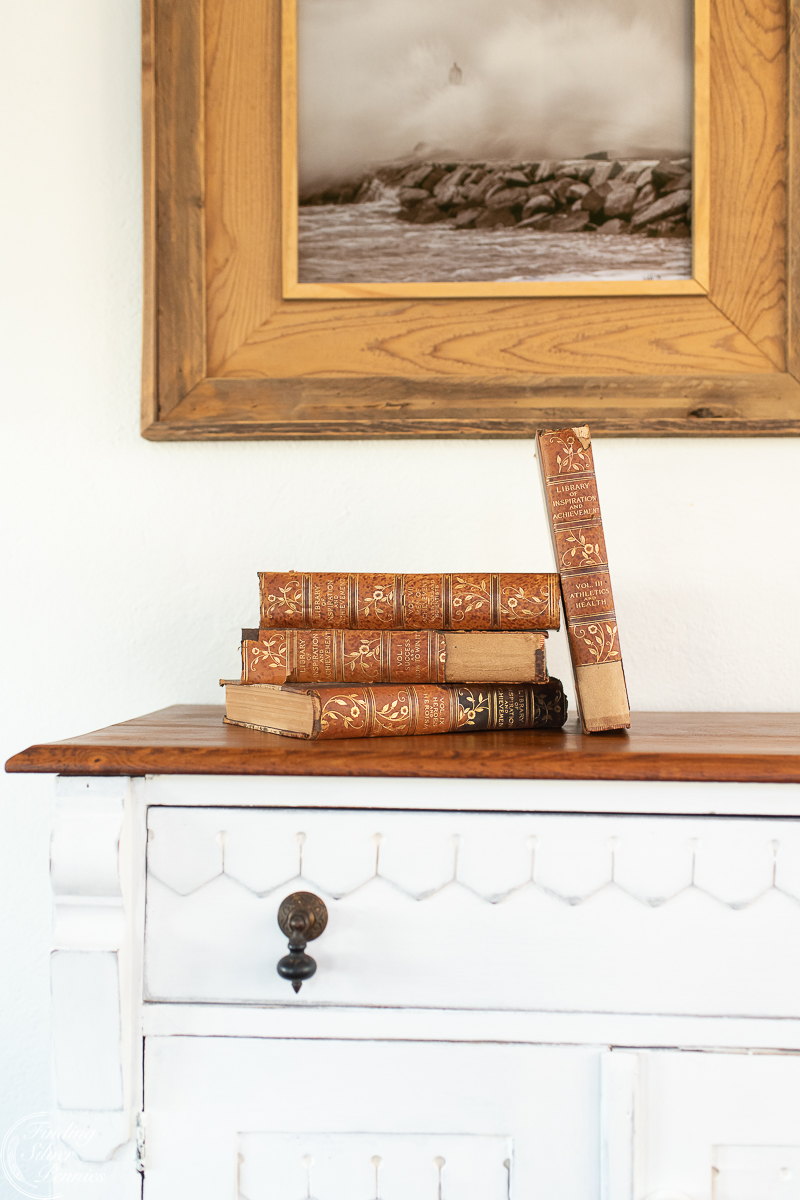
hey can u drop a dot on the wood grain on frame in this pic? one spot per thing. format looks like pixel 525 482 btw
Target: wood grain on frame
pixel 179 198
pixel 364 290
pixel 467 367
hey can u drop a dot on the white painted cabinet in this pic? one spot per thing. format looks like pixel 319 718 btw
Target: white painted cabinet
pixel 272 1119
pixel 479 910
pixel 552 991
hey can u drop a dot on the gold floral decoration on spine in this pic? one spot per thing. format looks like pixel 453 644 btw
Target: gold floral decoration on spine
pixel 574 458
pixel 347 711
pixel 469 597
pixel 377 603
pixel 395 716
pixel 600 638
pixel 547 710
pixel 365 661
pixel 270 654
pixel 470 706
pixel 285 601
pixel 588 552
pixel 514 603
pixel 350 711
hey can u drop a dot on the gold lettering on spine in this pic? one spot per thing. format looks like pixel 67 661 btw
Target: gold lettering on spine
pixel 399 601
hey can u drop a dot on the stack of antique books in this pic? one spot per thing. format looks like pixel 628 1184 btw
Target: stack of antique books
pixel 352 656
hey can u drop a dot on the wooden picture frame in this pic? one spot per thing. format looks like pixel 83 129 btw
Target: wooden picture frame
pixel 697 285
pixel 227 356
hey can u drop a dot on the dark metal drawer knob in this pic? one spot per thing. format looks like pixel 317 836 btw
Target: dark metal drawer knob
pixel 302 917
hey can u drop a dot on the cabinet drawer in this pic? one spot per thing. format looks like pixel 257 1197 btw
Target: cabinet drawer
pixel 479 910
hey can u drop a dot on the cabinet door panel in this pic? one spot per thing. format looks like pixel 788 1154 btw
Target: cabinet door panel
pixel 236 1117
pixel 718 1126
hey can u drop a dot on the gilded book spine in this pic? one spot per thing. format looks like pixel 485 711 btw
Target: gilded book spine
pixel 343 656
pixel 396 711
pixel 567 465
pixel 388 711
pixel 479 602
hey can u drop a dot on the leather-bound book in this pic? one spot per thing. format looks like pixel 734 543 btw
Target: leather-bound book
pixel 391 656
pixel 567 465
pixel 331 600
pixel 393 710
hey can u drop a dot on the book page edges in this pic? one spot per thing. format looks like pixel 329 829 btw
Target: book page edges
pixel 602 697
pixel 265 704
pixel 304 737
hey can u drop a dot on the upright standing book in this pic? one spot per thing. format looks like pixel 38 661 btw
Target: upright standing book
pixel 567 465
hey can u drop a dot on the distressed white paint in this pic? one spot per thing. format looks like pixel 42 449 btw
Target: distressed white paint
pixel 93 1079
pixel 389 1166
pixel 585 1123
pixel 84 866
pixel 86 1029
pixel 436 1025
pixel 700 1111
pixel 482 911
pixel 619 1089
pixel 202 1094
pixel 424 905
pixel 480 795
pixel 768 1172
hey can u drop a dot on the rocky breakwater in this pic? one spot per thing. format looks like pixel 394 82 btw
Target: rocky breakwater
pixel 651 198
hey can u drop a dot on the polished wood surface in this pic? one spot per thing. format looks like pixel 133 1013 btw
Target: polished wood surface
pixel 236 360
pixel 189 739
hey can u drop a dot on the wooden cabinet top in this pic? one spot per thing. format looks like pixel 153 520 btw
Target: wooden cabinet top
pixel 190 739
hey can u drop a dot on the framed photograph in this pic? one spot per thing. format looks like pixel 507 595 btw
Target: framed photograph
pixel 474 147
pixel 390 218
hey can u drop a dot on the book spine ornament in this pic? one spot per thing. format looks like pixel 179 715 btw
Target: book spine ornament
pixel 342 656
pixel 567 465
pixel 480 602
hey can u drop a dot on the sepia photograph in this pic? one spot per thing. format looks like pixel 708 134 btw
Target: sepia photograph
pixel 494 141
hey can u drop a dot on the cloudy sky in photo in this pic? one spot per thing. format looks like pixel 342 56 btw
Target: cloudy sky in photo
pixel 540 79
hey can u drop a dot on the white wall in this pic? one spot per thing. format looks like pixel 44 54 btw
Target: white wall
pixel 129 568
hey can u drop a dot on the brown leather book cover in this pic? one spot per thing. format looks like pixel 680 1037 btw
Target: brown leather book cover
pixel 567 465
pixel 293 600
pixel 388 710
pixel 391 656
